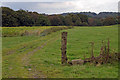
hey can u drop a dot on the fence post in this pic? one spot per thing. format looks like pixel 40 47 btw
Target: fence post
pixel 63 48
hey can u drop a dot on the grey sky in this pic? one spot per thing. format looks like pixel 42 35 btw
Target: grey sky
pixel 62 6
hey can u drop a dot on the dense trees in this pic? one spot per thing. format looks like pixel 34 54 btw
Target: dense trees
pixel 25 18
pixel 21 17
pixel 42 20
pixel 55 20
pixel 9 17
pixel 68 20
pixel 109 21
pixel 103 21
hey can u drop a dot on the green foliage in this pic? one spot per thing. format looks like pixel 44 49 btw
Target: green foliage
pixel 8 17
pixel 25 18
pixel 102 22
pixel 42 20
pixel 109 21
pixel 62 18
pixel 78 22
pixel 68 20
pixel 55 20
pixel 83 18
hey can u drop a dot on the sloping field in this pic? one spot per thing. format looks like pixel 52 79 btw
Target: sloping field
pixel 40 56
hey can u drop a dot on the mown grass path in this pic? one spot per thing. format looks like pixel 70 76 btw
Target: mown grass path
pixel 16 60
pixel 26 62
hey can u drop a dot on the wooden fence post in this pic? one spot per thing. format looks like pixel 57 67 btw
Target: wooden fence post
pixel 63 48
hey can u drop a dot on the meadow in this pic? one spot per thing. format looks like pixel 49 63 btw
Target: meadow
pixel 39 56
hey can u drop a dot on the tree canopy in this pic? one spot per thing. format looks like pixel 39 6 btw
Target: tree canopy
pixel 11 18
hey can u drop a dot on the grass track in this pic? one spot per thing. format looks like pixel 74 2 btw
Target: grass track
pixel 45 61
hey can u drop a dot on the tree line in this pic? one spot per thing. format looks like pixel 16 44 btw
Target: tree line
pixel 11 18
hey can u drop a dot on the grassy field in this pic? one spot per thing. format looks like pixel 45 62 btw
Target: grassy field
pixel 28 31
pixel 40 56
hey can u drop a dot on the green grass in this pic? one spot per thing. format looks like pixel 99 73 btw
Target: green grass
pixel 18 31
pixel 28 31
pixel 35 56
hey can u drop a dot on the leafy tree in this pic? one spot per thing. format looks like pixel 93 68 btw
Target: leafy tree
pixel 83 18
pixel 78 22
pixel 68 20
pixel 9 17
pixel 109 21
pixel 62 18
pixel 42 21
pixel 95 22
pixel 55 20
pixel 9 21
pixel 24 18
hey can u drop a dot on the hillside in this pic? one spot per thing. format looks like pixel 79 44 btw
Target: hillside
pixel 95 15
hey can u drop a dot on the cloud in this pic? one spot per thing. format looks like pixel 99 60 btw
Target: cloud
pixel 42 7
pixel 62 6
pixel 36 0
pixel 96 6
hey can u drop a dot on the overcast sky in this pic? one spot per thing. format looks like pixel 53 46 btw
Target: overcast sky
pixel 63 6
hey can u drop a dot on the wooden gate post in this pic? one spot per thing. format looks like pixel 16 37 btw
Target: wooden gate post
pixel 63 48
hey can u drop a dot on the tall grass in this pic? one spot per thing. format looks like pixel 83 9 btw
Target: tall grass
pixel 30 31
